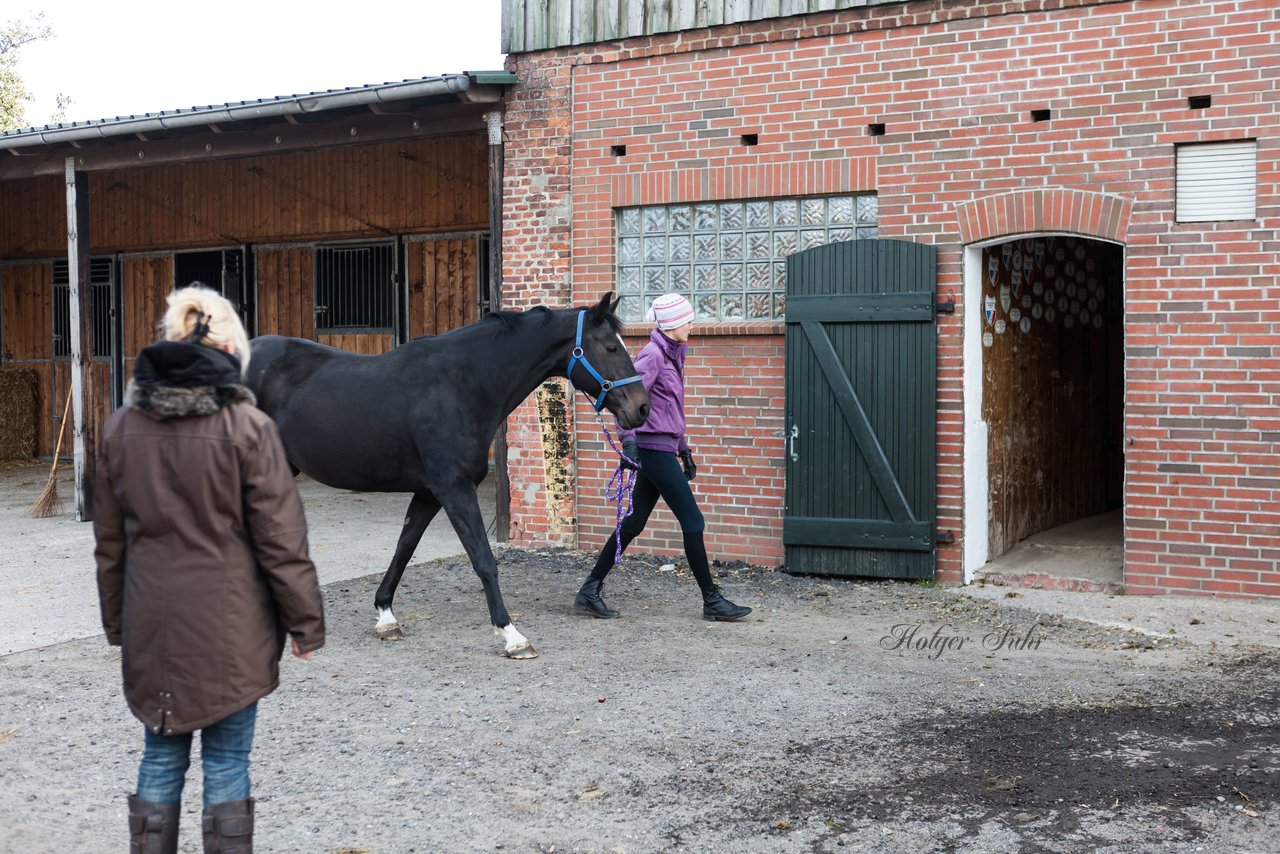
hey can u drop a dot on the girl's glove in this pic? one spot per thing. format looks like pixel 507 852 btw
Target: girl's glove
pixel 686 461
pixel 631 451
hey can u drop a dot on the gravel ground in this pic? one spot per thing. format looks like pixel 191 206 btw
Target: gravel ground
pixel 45 563
pixel 993 727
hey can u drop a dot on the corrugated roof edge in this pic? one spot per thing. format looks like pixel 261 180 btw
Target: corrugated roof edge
pixel 311 102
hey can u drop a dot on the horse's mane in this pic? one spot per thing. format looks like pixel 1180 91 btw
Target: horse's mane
pixel 508 320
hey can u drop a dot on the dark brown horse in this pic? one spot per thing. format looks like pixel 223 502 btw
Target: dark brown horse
pixel 421 418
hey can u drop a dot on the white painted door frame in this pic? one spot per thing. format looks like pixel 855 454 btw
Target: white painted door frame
pixel 977 495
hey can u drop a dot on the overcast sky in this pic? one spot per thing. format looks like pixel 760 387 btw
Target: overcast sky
pixel 144 56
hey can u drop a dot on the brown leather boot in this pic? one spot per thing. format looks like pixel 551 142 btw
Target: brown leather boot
pixel 153 828
pixel 228 828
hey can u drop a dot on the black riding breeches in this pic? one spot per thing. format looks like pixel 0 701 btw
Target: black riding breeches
pixel 661 476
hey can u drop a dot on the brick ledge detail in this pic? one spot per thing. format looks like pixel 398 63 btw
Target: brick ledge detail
pixel 765 329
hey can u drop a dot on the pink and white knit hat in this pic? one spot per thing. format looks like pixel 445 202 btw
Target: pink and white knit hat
pixel 670 311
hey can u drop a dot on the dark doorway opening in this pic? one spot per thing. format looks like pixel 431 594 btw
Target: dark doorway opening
pixel 1053 393
pixel 219 269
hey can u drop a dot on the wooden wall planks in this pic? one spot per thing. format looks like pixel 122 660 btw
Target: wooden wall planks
pixel 286 288
pixel 369 343
pixel 141 215
pixel 28 328
pixel 442 276
pixel 358 191
pixel 147 282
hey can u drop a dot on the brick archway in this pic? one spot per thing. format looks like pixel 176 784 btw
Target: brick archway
pixel 1028 211
pixel 983 223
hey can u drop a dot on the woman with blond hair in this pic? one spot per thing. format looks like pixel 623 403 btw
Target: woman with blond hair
pixel 203 567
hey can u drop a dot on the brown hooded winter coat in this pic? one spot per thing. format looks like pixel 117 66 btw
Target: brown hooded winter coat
pixel 201 544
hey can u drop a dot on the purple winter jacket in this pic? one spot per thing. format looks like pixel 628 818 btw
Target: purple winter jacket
pixel 661 366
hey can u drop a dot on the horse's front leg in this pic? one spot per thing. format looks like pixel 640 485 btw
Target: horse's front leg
pixel 464 512
pixel 422 509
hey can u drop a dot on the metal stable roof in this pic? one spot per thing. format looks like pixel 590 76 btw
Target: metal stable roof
pixel 284 105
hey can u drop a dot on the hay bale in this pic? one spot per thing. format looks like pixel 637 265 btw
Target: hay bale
pixel 19 413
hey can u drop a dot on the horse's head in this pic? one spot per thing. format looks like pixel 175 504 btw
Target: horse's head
pixel 603 368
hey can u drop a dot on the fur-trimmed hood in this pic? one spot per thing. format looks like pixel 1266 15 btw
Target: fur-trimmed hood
pixel 162 402
pixel 173 379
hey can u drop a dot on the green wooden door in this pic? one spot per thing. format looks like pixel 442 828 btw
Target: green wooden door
pixel 861 410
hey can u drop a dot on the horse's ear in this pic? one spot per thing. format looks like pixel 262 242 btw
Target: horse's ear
pixel 607 304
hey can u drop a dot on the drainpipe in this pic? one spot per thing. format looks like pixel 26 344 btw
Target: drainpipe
pixel 502 482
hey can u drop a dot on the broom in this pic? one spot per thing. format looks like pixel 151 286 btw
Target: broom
pixel 49 503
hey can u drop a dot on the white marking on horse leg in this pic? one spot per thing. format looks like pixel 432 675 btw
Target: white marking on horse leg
pixel 511 637
pixel 386 619
pixel 514 643
pixel 387 628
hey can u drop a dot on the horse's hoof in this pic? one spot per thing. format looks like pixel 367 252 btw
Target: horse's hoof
pixel 391 632
pixel 521 652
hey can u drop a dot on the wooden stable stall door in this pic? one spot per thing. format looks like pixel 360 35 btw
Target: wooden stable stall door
pixel 147 283
pixel 370 344
pixel 285 280
pixel 443 286
pixel 31 325
pixel 26 311
pixel 356 300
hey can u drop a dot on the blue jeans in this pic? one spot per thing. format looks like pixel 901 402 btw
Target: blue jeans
pixel 224 749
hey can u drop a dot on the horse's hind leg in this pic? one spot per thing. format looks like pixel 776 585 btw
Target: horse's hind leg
pixel 422 509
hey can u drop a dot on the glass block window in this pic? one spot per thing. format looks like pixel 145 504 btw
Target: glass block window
pixel 728 257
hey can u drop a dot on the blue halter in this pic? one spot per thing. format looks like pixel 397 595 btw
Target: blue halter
pixel 578 355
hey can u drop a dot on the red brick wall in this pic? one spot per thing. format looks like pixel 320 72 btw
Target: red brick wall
pixel 535 271
pixel 961 161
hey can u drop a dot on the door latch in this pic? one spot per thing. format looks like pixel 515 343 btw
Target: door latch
pixel 791 443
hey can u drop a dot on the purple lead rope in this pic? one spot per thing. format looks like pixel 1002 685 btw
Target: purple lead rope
pixel 621 485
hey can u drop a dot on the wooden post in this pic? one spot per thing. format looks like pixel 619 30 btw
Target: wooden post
pixel 81 329
pixel 502 481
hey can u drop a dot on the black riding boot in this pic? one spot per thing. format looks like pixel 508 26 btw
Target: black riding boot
pixel 153 828
pixel 716 607
pixel 589 602
pixel 228 828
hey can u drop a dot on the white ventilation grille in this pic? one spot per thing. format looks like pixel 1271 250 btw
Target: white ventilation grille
pixel 1217 182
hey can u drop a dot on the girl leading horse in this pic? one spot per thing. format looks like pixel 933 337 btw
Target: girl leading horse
pixel 421 419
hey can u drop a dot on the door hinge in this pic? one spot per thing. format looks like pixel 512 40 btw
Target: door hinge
pixel 948 307
pixel 945 537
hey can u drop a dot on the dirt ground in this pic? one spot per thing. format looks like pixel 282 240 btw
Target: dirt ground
pixel 841 716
